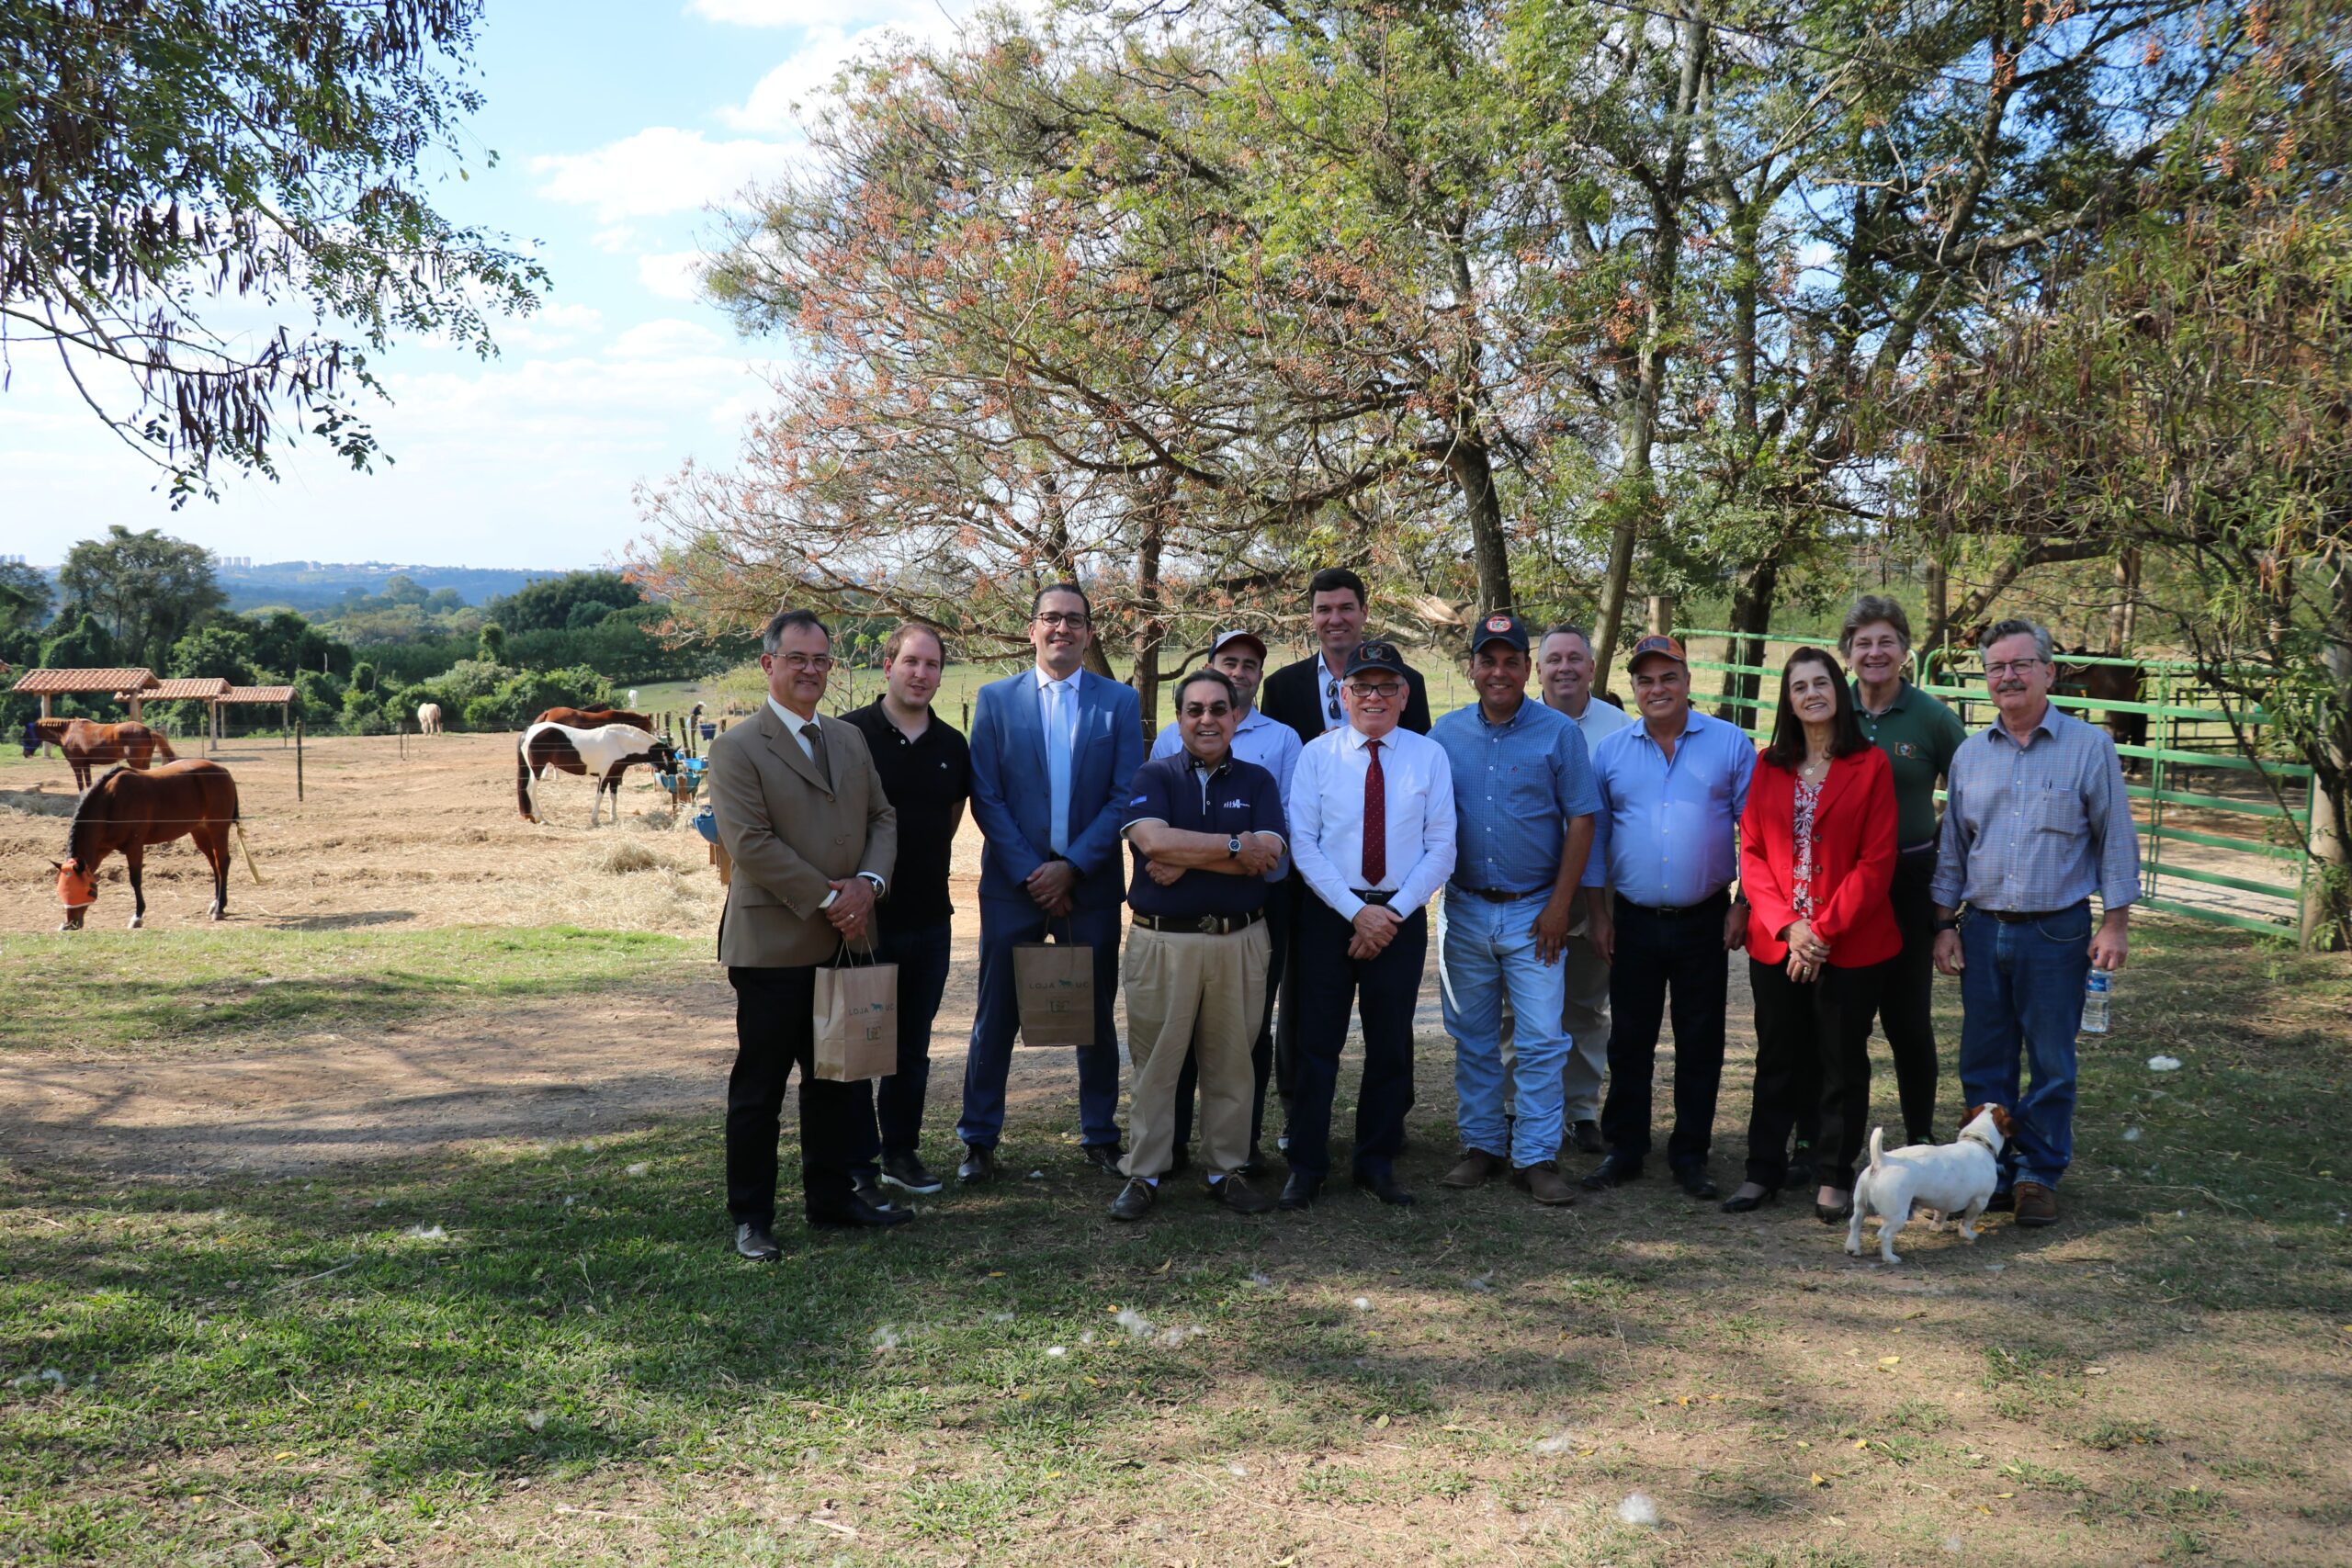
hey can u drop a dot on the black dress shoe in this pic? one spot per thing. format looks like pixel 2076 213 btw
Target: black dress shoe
pixel 1800 1174
pixel 869 1190
pixel 1236 1193
pixel 1135 1200
pixel 1586 1136
pixel 2001 1203
pixel 1300 1191
pixel 1614 1170
pixel 1692 1179
pixel 1745 1202
pixel 756 1242
pixel 1381 1182
pixel 909 1174
pixel 854 1213
pixel 1105 1158
pixel 980 1166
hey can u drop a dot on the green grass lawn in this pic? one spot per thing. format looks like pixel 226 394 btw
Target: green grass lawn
pixel 525 1354
pixel 109 989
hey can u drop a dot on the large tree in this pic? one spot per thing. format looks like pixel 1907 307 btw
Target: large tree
pixel 169 167
pixel 146 588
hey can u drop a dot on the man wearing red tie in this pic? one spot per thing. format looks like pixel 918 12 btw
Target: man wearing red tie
pixel 1370 811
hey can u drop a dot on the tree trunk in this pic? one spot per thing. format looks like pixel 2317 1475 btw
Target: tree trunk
pixel 1751 611
pixel 2327 885
pixel 1938 630
pixel 1151 631
pixel 1635 500
pixel 2123 615
pixel 1473 471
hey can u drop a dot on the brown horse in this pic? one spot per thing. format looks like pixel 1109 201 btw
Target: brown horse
pixel 594 718
pixel 128 811
pixel 88 746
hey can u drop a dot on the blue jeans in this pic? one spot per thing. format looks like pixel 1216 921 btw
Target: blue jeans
pixel 921 957
pixel 1489 952
pixel 996 1018
pixel 2022 987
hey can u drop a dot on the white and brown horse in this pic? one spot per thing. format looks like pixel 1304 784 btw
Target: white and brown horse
pixel 88 746
pixel 128 812
pixel 596 719
pixel 602 753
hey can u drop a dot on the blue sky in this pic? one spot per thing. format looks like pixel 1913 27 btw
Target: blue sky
pixel 616 126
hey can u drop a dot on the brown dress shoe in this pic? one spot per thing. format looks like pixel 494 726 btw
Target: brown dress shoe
pixel 2037 1204
pixel 1477 1168
pixel 1236 1193
pixel 1544 1183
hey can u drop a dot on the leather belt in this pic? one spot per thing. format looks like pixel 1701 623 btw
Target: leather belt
pixel 1713 900
pixel 1200 925
pixel 2028 917
pixel 1375 895
pixel 1491 894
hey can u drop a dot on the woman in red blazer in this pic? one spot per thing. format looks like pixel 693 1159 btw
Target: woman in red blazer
pixel 1816 858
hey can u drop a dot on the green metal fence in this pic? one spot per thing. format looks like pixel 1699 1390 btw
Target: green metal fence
pixel 2189 732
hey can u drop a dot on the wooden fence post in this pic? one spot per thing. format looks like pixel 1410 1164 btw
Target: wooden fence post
pixel 298 758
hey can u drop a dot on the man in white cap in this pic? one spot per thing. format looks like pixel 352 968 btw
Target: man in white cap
pixel 1241 657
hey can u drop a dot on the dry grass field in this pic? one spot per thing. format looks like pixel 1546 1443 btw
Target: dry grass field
pixel 379 1224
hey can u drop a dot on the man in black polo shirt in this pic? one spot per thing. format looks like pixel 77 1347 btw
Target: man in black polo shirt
pixel 926 771
pixel 1206 832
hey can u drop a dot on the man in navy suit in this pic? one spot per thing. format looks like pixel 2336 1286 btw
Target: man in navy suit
pixel 1053 749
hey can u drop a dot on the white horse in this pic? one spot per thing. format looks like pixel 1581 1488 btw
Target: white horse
pixel 603 754
pixel 428 718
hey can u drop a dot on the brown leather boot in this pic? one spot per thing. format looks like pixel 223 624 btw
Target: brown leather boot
pixel 1545 1184
pixel 1478 1167
pixel 2037 1204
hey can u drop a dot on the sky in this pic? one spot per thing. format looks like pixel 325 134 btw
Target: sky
pixel 618 128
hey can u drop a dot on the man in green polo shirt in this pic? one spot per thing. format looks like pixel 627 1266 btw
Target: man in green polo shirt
pixel 1919 735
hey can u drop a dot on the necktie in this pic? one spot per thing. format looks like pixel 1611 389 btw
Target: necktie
pixel 1376 821
pixel 816 739
pixel 1057 765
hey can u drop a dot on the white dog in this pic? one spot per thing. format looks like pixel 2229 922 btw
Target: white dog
pixel 1950 1179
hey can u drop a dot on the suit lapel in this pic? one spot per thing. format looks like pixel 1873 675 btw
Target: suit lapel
pixel 1842 772
pixel 788 750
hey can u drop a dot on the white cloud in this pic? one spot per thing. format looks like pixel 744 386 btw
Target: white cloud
pixel 552 326
pixel 668 339
pixel 673 274
pixel 659 169
pixel 617 239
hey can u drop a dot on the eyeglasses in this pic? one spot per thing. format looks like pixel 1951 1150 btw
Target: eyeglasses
pixel 804 663
pixel 1057 618
pixel 2020 665
pixel 1384 690
pixel 1214 710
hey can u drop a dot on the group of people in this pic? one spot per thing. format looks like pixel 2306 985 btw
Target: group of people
pixel 1277 862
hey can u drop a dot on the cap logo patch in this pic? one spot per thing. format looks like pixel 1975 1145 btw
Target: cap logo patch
pixel 1498 622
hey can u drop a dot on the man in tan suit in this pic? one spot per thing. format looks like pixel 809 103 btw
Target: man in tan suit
pixel 801 812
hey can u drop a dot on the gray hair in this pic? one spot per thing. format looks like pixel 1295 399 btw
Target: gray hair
pixel 772 633
pixel 2001 630
pixel 1868 610
pixel 1567 628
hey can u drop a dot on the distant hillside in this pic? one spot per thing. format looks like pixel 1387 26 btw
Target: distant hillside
pixel 318 585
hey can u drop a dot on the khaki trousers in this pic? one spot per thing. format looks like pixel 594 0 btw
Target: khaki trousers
pixel 1206 993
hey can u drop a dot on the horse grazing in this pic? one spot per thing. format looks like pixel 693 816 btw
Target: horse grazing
pixel 602 753
pixel 595 718
pixel 428 718
pixel 128 811
pixel 88 746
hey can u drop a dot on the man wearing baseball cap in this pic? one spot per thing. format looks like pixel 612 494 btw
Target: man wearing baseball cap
pixel 1524 800
pixel 1241 657
pixel 1672 788
pixel 1370 812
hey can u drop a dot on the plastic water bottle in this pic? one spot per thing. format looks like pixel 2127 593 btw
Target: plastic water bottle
pixel 2094 994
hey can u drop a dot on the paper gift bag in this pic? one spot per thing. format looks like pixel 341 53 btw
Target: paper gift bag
pixel 1056 983
pixel 857 1022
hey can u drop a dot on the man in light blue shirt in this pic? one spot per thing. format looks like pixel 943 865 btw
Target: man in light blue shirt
pixel 1672 788
pixel 1524 802
pixel 1241 657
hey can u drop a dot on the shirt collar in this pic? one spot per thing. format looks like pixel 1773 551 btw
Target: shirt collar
pixel 1692 722
pixel 1355 739
pixel 1518 716
pixel 1903 690
pixel 793 723
pixel 1069 682
pixel 1196 765
pixel 2052 716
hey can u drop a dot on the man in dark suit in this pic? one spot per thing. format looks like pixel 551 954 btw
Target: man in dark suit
pixel 802 813
pixel 1053 751
pixel 1306 695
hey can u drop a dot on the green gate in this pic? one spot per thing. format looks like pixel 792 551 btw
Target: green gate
pixel 2190 735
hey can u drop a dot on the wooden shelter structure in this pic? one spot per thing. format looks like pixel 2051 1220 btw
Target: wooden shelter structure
pixel 257 695
pixel 127 685
pixel 208 690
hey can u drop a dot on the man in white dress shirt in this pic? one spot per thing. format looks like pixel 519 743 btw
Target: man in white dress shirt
pixel 1371 810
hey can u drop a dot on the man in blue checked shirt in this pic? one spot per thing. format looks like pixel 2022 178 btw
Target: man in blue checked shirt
pixel 2037 819
pixel 1672 788
pixel 1524 800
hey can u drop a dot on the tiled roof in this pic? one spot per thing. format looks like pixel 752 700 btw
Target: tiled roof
pixel 35 681
pixel 258 694
pixel 183 689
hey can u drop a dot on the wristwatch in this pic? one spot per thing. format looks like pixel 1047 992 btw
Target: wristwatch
pixel 1948 923
pixel 1233 847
